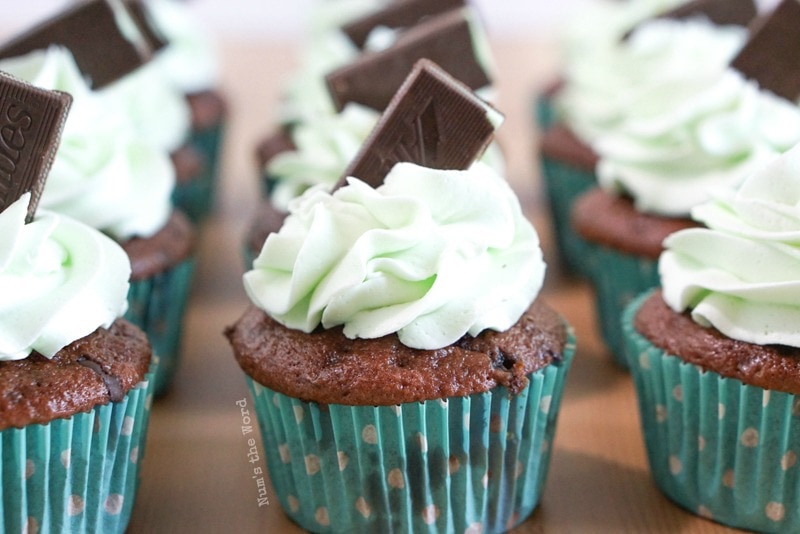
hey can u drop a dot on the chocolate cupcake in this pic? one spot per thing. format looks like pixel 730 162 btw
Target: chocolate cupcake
pixel 626 68
pixel 74 376
pixel 703 134
pixel 75 396
pixel 111 179
pixel 715 357
pixel 407 378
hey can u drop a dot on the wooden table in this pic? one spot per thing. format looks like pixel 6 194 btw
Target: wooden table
pixel 195 475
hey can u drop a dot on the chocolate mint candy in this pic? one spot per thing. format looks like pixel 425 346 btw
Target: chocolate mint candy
pixel 373 78
pixel 434 120
pixel 720 12
pixel 771 56
pixel 104 41
pixel 152 35
pixel 397 15
pixel 31 120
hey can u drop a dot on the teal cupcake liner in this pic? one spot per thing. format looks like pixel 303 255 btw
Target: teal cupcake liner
pixel 717 447
pixel 544 111
pixel 157 305
pixel 617 278
pixel 196 197
pixel 76 475
pixel 563 184
pixel 460 464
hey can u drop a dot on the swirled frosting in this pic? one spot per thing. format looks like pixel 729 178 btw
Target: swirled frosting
pixel 190 61
pixel 431 255
pixel 660 64
pixel 742 273
pixel 102 175
pixel 599 26
pixel 306 95
pixel 325 146
pixel 155 110
pixel 60 281
pixel 670 161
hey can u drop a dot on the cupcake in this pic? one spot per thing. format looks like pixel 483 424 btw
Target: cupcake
pixel 190 63
pixel 408 377
pixel 113 180
pixel 715 356
pixel 74 376
pixel 614 70
pixel 666 157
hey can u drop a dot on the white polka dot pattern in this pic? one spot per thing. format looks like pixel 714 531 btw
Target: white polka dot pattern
pixel 430 514
pixel 745 443
pixel 75 505
pixel 370 434
pixel 61 451
pixel 363 507
pixel 113 504
pixel 65 458
pixel 424 456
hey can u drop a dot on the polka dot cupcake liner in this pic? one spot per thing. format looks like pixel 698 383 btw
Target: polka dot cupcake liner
pixel 617 278
pixel 717 447
pixel 461 464
pixel 196 197
pixel 563 184
pixel 76 475
pixel 157 305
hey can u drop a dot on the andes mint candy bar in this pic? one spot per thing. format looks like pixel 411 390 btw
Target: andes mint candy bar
pixel 720 12
pixel 397 15
pixel 152 35
pixel 771 56
pixel 105 45
pixel 373 78
pixel 31 120
pixel 434 120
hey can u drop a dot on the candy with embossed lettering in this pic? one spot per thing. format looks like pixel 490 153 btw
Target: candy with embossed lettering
pixel 434 120
pixel 31 120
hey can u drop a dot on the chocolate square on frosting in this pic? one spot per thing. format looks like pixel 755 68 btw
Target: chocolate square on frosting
pixel 373 78
pixel 142 16
pixel 31 121
pixel 104 40
pixel 397 15
pixel 433 120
